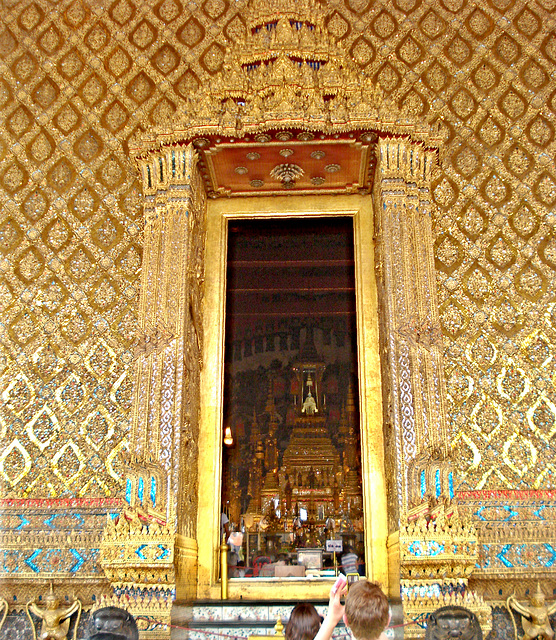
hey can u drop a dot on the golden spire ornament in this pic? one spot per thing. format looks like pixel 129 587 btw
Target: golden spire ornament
pixel 287 78
pixel 288 71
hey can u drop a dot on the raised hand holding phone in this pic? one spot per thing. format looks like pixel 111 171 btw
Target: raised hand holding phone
pixel 340 583
pixel 335 609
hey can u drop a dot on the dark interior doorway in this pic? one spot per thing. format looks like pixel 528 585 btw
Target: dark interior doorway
pixel 291 456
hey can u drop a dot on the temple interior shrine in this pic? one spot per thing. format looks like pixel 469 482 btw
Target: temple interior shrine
pixel 290 410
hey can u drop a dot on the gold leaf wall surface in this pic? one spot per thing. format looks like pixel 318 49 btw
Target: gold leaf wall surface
pixel 79 79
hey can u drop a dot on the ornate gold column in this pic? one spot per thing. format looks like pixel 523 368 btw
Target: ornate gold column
pixel 411 337
pixel 435 550
pixel 161 481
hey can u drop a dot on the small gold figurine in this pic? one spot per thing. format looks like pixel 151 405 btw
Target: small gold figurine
pixel 4 612
pixel 55 618
pixel 534 617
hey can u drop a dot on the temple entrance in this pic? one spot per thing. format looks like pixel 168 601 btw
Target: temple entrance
pixel 291 401
pixel 297 396
pixel 289 128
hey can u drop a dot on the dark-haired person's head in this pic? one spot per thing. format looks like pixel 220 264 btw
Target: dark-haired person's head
pixel 367 613
pixel 304 622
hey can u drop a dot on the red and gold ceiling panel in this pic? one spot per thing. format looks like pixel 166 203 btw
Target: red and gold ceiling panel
pixel 286 162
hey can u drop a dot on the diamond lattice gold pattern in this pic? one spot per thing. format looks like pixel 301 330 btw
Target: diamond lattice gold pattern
pixel 79 81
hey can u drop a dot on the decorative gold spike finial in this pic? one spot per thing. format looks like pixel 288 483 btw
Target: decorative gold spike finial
pixel 288 71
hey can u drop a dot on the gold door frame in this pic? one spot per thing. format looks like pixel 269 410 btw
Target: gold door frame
pixel 360 208
pixel 176 433
pixel 177 411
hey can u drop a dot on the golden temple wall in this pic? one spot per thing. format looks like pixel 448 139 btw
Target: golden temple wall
pixel 80 79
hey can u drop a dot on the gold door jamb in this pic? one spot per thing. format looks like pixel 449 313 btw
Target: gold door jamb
pixel 370 391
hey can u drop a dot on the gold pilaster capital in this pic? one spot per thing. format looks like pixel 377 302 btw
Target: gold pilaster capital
pixel 405 160
pixel 165 167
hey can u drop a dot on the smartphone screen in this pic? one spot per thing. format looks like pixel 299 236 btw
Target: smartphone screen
pixel 351 578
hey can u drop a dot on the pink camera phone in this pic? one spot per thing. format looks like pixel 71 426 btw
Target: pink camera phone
pixel 341 581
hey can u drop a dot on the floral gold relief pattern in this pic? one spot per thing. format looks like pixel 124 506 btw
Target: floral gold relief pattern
pixel 86 86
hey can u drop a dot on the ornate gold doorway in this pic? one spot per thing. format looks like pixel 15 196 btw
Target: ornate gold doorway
pixel 289 115
pixel 211 427
pixel 177 425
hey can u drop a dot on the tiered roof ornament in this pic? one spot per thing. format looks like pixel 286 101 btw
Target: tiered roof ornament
pixel 287 79
pixel 288 71
pixel 290 68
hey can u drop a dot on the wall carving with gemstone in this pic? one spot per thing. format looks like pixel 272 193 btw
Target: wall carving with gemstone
pixel 80 79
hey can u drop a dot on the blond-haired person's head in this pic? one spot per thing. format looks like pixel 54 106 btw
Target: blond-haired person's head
pixel 367 613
